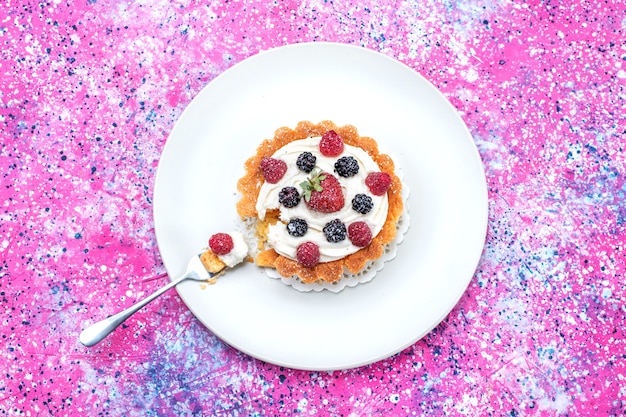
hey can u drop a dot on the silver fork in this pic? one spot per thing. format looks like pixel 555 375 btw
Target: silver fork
pixel 98 331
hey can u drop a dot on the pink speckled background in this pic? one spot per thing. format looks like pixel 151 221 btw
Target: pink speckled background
pixel 88 94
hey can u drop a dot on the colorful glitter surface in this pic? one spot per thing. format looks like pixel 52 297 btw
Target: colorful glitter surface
pixel 89 92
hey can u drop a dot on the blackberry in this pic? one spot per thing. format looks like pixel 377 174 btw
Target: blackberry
pixel 306 161
pixel 362 203
pixel 289 197
pixel 297 227
pixel 335 231
pixel 346 166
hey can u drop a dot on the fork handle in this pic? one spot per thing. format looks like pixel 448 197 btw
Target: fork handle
pixel 98 331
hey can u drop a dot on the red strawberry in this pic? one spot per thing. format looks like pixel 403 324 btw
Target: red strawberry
pixel 331 144
pixel 308 254
pixel 273 169
pixel 322 192
pixel 359 234
pixel 221 243
pixel 378 182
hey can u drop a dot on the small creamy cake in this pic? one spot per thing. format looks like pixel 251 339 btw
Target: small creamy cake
pixel 226 250
pixel 322 199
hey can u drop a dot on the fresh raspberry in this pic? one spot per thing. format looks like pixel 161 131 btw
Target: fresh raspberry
pixel 221 243
pixel 362 203
pixel 335 231
pixel 378 182
pixel 273 169
pixel 359 234
pixel 331 144
pixel 308 254
pixel 323 193
pixel 347 166
pixel 289 197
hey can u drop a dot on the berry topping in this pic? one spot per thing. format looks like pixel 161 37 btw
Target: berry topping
pixel 359 234
pixel 362 203
pixel 221 243
pixel 297 227
pixel 322 192
pixel 308 254
pixel 306 161
pixel 378 182
pixel 331 144
pixel 335 231
pixel 346 166
pixel 273 169
pixel 289 197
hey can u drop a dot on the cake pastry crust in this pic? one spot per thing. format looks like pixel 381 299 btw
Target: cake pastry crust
pixel 250 184
pixel 212 262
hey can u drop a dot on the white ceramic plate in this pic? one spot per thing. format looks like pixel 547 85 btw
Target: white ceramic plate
pixel 195 195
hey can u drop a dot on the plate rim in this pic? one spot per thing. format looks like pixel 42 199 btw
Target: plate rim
pixel 475 157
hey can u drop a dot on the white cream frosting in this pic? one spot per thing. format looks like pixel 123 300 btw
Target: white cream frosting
pixel 281 240
pixel 239 251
